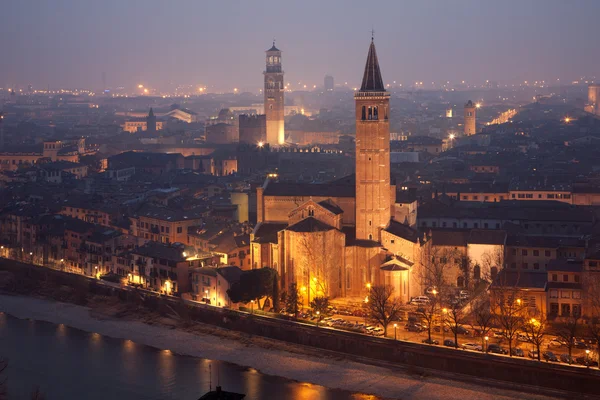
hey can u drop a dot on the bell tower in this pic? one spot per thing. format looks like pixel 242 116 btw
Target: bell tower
pixel 373 192
pixel 274 89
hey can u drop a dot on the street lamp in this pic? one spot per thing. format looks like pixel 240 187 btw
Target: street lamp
pixel 451 137
pixel 318 318
pixel 444 312
pixel 251 305
pixel 395 328
pixel 486 343
pixel 587 358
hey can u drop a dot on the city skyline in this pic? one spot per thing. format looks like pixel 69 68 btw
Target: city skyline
pixel 74 45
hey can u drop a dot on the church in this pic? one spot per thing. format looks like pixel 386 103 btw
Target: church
pixel 335 239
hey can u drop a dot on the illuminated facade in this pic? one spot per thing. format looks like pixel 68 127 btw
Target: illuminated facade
pixel 274 104
pixel 593 105
pixel 470 118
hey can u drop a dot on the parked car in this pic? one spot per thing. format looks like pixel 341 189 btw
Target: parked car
pixel 420 300
pixel 462 330
pixel 518 352
pixel 522 338
pixel 377 332
pixel 567 359
pixel 449 343
pixel 496 349
pixel 499 334
pixel 549 356
pixel 471 346
pixel 583 360
pixel 580 343
pixel 430 341
pixel 533 354
pixel 438 329
pixel 556 342
pixel 414 328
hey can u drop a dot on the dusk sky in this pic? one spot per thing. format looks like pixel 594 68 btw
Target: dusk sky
pixel 69 43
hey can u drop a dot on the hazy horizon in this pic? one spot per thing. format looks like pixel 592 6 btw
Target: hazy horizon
pixel 68 43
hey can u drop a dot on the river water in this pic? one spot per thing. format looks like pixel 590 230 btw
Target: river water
pixel 69 364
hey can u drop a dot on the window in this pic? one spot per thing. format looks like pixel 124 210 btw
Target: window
pixel 554 278
pixel 576 310
pixel 179 229
pixel 513 265
pixel 553 308
pixel 525 265
pixel 576 294
pixel 565 278
pixel 523 252
pixel 536 265
pixel 460 281
pixel 475 225
pixel 554 294
pixel 536 253
pixel 370 237
pixel 565 310
pixel 576 278
pixel 514 252
pixel 565 294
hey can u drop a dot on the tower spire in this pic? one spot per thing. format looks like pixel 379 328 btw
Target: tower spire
pixel 372 81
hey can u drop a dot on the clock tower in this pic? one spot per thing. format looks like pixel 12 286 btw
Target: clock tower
pixel 274 89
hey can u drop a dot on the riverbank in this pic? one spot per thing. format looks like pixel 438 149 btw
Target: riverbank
pixel 267 356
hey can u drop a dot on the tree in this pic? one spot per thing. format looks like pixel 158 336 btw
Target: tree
pixel 427 313
pixel 254 284
pixel 535 330
pixel 382 306
pixel 508 312
pixel 434 264
pixel 293 300
pixel 592 295
pixel 491 263
pixel 320 304
pixel 320 269
pixel 455 319
pixel 567 331
pixel 482 318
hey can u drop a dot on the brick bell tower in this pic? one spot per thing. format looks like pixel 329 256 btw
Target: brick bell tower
pixel 274 89
pixel 373 203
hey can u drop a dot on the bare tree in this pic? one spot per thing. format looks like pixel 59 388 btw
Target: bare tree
pixel 567 331
pixel 592 293
pixel 535 330
pixel 382 306
pixel 491 263
pixel 319 267
pixel 508 312
pixel 435 264
pixel 455 318
pixel 482 318
pixel 428 314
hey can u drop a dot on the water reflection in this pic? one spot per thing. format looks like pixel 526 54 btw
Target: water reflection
pixel 69 364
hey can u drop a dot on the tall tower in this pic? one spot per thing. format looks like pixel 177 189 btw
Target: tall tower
pixel 373 194
pixel 151 122
pixel 1 131
pixel 594 99
pixel 470 116
pixel 274 89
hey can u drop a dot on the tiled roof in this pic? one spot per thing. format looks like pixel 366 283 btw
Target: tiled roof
pixel 562 265
pixel 446 237
pixel 402 231
pixel 520 279
pixel 308 189
pixel 310 224
pixel 487 236
pixel 331 206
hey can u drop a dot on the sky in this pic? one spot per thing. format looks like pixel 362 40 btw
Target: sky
pixel 221 44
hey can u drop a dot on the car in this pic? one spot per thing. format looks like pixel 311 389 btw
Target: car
pixel 496 349
pixel 449 343
pixel 471 346
pixel 498 335
pixel 580 343
pixel 420 300
pixel 533 354
pixel 583 360
pixel 567 359
pixel 518 352
pixel 377 332
pixel 438 329
pixel 461 330
pixel 556 342
pixel 522 338
pixel 414 328
pixel 430 341
pixel 549 356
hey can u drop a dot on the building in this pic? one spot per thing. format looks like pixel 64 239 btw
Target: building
pixel 332 239
pixel 221 133
pixel 470 118
pixel 253 128
pixel 274 104
pixel 210 284
pixel 151 122
pixel 147 124
pixel 593 104
pixel 162 224
pixel 328 83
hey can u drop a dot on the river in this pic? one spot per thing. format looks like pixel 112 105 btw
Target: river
pixel 69 364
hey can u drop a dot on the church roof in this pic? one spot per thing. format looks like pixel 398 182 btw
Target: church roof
pixel 402 231
pixel 372 81
pixel 331 206
pixel 273 48
pixel 310 224
pixel 397 264
pixel 309 189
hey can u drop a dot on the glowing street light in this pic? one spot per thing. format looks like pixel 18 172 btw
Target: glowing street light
pixel 369 286
pixel 318 317
pixel 567 120
pixel 486 343
pixel 478 105
pixel 252 305
pixel 395 328
pixel 260 144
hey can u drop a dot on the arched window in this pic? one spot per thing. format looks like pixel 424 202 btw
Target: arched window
pixel 375 113
pixel 476 272
pixel 370 237
pixel 364 113
pixel 460 281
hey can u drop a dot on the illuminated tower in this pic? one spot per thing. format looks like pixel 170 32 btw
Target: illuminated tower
pixel 151 122
pixel 470 116
pixel 373 198
pixel 594 99
pixel 1 131
pixel 274 108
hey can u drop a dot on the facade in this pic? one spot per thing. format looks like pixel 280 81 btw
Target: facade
pixel 373 191
pixel 151 122
pixel 274 102
pixel 163 225
pixel 593 104
pixel 253 128
pixel 210 285
pixel 328 83
pixel 470 118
